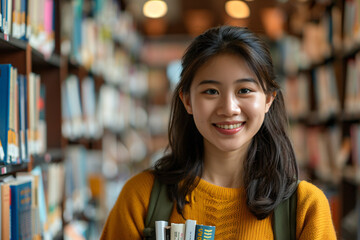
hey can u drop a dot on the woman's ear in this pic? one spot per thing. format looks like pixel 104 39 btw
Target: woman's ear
pixel 185 98
pixel 269 100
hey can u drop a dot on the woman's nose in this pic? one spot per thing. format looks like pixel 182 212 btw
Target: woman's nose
pixel 229 106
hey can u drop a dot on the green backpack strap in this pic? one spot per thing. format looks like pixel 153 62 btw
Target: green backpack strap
pixel 284 220
pixel 160 208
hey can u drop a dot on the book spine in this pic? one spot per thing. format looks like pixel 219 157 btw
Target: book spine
pixel 1 152
pixel 177 231
pixel 5 211
pixel 167 232
pixel 190 227
pixel 5 70
pixel 160 229
pixel 205 232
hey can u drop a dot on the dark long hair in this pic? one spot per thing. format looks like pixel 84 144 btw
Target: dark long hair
pixel 270 170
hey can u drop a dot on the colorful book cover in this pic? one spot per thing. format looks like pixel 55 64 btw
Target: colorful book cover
pixel 20 210
pixel 205 232
pixel 7 131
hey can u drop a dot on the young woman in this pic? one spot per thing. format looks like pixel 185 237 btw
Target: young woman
pixel 230 161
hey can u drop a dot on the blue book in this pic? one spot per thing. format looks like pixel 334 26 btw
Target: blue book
pixel 7 132
pixel 20 210
pixel 204 232
pixel 22 88
pixel 3 15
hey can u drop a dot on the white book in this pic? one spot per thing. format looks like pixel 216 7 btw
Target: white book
pixel 1 152
pixel 160 229
pixel 177 231
pixel 190 226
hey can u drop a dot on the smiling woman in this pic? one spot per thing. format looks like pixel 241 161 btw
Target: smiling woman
pixel 230 162
pixel 229 109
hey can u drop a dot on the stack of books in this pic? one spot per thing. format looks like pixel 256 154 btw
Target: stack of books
pixel 183 231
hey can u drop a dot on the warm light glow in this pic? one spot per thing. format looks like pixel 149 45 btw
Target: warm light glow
pixel 237 9
pixel 155 8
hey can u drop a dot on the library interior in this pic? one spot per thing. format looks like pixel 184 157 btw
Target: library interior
pixel 85 90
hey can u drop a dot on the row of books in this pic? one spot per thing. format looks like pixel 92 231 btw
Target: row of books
pixel 351 23
pixel 86 112
pixel 94 42
pixel 291 54
pixel 297 93
pixel 23 206
pixel 352 90
pixel 322 149
pixel 189 230
pixel 30 20
pixel 22 110
pixel 355 143
pixel 327 98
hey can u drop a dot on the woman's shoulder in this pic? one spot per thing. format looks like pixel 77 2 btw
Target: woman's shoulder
pixel 138 187
pixel 306 189
pixel 313 219
pixel 310 197
pixel 142 181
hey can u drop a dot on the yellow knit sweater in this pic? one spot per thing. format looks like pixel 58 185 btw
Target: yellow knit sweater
pixel 222 207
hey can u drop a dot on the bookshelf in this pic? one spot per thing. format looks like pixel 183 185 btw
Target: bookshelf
pixel 114 63
pixel 322 91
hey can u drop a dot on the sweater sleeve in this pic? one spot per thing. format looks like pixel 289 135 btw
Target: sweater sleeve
pixel 313 214
pixel 126 219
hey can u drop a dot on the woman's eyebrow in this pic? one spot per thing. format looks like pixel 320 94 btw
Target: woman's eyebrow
pixel 251 80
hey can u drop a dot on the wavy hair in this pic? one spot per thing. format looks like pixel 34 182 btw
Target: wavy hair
pixel 270 170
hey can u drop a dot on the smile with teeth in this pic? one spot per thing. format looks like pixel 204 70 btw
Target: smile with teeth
pixel 229 126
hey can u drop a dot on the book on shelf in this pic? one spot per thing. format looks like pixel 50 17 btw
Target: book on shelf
pixel 89 102
pixel 42 121
pixel 355 145
pixel 8 125
pixel 1 29
pixel 72 107
pixel 351 24
pixel 352 90
pixel 22 133
pixel 326 91
pixel 35 138
pixel 20 209
pixel 37 192
pixel 1 152
pixel 205 232
pixel 5 211
pixel 296 95
pixel 54 189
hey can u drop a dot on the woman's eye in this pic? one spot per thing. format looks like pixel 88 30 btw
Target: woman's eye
pixel 244 90
pixel 211 91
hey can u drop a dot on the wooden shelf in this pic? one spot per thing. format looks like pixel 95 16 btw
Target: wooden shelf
pixel 11 44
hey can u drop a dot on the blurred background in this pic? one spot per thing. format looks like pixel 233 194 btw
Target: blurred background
pixel 103 72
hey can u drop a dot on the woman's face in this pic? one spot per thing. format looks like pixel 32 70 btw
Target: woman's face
pixel 227 103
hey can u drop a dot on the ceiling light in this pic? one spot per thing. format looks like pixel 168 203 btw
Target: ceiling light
pixel 155 8
pixel 237 9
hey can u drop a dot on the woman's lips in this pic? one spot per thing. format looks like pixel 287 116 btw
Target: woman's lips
pixel 229 128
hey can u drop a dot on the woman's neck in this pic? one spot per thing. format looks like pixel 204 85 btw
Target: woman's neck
pixel 224 168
